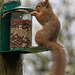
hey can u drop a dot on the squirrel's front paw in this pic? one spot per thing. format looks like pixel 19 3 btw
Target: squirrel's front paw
pixel 33 47
pixel 33 13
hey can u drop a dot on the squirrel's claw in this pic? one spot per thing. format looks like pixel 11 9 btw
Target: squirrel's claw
pixel 33 13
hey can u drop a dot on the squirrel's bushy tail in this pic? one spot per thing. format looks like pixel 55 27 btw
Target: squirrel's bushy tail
pixel 59 59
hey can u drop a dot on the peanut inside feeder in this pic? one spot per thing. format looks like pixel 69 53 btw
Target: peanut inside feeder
pixel 20 30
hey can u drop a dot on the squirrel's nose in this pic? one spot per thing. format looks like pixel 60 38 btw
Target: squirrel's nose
pixel 36 10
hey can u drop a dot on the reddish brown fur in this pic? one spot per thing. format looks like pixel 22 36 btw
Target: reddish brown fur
pixel 59 58
pixel 47 36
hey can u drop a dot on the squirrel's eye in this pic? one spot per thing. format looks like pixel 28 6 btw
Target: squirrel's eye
pixel 40 5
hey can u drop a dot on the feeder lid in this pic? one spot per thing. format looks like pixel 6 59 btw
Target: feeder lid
pixel 14 5
pixel 25 8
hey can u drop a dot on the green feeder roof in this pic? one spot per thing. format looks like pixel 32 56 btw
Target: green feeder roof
pixel 14 5
pixel 22 7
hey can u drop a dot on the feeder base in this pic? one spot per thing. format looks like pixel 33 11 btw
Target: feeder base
pixel 27 50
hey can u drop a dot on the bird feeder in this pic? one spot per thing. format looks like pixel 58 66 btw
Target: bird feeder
pixel 16 28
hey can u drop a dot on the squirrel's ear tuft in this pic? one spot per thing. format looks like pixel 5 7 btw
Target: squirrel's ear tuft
pixel 46 0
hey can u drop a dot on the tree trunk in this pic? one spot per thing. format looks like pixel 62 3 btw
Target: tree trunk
pixel 10 64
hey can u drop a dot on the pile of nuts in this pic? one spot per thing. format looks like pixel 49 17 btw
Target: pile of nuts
pixel 20 33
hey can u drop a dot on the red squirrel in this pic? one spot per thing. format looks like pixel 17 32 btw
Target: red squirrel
pixel 47 36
